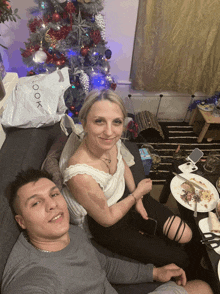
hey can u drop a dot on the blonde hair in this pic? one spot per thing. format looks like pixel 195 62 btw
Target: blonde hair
pixel 96 95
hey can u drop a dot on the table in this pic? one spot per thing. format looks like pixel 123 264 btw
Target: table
pixel 210 255
pixel 209 119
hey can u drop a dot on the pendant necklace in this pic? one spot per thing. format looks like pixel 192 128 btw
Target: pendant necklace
pixel 106 160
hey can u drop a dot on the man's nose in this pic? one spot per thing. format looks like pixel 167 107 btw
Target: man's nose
pixel 51 203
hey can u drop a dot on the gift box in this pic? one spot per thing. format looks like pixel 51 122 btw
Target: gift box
pixel 146 160
pixel 2 69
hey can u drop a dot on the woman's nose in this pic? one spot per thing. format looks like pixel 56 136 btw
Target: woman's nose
pixel 108 129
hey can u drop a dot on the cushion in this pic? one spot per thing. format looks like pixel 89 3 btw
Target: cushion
pixel 51 162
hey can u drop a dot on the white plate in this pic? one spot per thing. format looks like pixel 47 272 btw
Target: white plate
pixel 219 270
pixel 218 188
pixel 177 191
pixel 205 228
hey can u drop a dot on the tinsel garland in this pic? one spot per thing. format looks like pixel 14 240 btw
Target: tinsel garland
pixel 211 100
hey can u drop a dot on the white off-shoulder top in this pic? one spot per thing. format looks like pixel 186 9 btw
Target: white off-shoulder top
pixel 113 186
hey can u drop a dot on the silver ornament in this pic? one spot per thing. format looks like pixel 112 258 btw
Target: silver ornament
pixel 109 78
pixel 40 56
pixel 84 81
pixel 61 1
pixel 99 19
pixel 105 67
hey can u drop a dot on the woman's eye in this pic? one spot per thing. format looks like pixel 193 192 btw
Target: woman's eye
pixel 118 122
pixel 98 121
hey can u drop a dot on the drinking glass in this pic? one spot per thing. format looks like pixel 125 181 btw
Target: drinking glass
pixel 212 162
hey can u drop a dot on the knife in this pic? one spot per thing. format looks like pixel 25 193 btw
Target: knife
pixel 181 177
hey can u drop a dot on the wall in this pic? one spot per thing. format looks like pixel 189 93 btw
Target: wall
pixel 120 17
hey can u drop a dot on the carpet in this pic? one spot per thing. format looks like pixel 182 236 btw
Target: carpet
pixel 175 134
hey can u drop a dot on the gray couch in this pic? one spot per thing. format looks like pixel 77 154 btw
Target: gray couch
pixel 24 148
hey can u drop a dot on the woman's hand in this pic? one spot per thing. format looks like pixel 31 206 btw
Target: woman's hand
pixel 140 209
pixel 144 187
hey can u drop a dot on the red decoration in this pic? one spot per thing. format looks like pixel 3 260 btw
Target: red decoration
pixel 8 5
pixel 84 50
pixel 34 24
pixel 31 73
pixel 113 86
pixel 72 108
pixel 52 58
pixel 29 51
pixel 95 36
pixel 60 34
pixel 56 17
pixel 70 8
pixel 76 113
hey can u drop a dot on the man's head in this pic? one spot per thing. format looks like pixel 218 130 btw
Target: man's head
pixel 39 206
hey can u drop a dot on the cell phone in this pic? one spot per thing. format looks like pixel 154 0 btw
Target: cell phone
pixel 147 227
pixel 195 155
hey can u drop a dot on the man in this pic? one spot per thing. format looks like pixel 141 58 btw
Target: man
pixel 51 256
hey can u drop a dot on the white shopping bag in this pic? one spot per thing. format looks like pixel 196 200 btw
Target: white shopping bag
pixel 37 101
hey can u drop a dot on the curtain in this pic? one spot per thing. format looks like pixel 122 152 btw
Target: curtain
pixel 177 46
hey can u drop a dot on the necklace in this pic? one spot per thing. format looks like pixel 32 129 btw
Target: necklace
pixel 106 160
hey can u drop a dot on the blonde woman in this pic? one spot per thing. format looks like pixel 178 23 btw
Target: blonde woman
pixel 97 178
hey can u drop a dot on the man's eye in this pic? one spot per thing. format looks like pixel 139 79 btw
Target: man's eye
pixel 35 203
pixel 55 194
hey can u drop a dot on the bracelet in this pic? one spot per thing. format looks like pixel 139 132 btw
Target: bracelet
pixel 134 197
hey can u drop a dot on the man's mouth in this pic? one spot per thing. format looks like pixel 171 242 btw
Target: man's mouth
pixel 57 217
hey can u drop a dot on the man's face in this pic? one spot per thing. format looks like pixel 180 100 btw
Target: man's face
pixel 43 211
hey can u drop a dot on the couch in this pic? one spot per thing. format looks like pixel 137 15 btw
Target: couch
pixel 24 148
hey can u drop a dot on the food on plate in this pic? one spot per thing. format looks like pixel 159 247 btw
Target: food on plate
pixel 206 195
pixel 200 183
pixel 189 193
pixel 214 223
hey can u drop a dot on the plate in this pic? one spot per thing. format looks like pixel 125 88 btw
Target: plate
pixel 206 107
pixel 203 206
pixel 219 270
pixel 218 181
pixel 205 228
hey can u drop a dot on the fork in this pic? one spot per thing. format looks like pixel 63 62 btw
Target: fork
pixel 210 240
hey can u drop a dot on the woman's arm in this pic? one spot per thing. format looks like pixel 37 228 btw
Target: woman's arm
pixel 129 180
pixel 89 194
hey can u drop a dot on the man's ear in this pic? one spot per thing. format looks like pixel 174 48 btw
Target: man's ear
pixel 20 220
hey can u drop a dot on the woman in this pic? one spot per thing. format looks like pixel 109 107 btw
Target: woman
pixel 96 177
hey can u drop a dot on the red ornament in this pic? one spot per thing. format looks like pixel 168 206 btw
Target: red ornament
pixel 70 8
pixel 31 73
pixel 95 36
pixel 84 51
pixel 77 84
pixel 113 86
pixel 76 113
pixel 72 108
pixel 56 17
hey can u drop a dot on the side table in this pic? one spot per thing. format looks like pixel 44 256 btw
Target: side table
pixel 9 81
pixel 209 119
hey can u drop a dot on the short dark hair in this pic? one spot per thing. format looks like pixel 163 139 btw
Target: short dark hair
pixel 23 178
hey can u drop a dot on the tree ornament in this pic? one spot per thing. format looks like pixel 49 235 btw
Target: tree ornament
pixel 105 67
pixel 34 24
pixel 108 53
pixel 70 8
pixel 109 78
pixel 40 56
pixel 95 36
pixel 113 86
pixel 72 108
pixel 56 17
pixel 76 113
pixel 84 81
pixel 84 50
pixel 61 1
pixel 99 19
pixel 84 1
pixel 31 73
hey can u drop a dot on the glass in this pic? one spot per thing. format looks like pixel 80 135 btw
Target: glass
pixel 212 162
pixel 2 89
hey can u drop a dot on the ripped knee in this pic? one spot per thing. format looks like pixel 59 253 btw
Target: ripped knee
pixel 177 230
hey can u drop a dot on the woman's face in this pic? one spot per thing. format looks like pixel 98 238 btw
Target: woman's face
pixel 104 124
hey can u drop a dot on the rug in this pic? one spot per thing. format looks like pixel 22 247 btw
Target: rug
pixel 176 134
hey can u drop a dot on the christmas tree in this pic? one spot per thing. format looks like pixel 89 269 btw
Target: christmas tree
pixel 70 33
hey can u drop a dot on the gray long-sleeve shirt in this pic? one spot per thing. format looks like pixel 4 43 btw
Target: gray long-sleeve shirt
pixel 78 268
